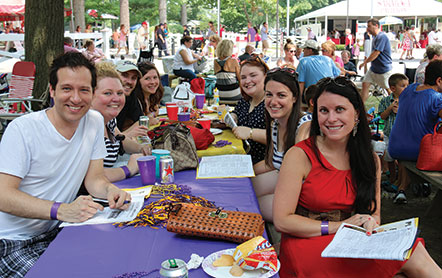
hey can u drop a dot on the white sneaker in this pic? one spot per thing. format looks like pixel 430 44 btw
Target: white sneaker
pixel 400 198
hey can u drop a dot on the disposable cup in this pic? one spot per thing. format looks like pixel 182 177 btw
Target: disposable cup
pixel 199 101
pixel 158 153
pixel 183 117
pixel 205 123
pixel 172 112
pixel 170 104
pixel 146 166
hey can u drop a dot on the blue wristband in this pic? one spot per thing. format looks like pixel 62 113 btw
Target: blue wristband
pixel 126 171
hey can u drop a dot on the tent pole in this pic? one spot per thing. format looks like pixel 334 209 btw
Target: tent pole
pixel 326 26
pixel 278 31
pixel 288 18
pixel 219 23
pixel 371 12
pixel 348 10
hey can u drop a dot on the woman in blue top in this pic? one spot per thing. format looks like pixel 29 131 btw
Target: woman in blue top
pixel 285 126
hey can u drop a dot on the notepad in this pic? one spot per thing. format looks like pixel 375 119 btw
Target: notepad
pixel 225 166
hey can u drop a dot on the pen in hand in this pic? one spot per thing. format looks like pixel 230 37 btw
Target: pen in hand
pixel 105 203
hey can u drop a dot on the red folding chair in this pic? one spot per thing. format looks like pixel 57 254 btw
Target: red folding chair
pixel 17 101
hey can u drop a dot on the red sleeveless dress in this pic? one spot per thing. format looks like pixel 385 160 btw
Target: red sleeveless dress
pixel 326 190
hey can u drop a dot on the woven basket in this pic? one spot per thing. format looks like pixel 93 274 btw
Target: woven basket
pixel 236 226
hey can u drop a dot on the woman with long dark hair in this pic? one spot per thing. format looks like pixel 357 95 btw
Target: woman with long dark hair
pixel 149 91
pixel 285 125
pixel 334 176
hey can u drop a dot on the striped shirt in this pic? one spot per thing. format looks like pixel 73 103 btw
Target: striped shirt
pixel 111 147
pixel 277 155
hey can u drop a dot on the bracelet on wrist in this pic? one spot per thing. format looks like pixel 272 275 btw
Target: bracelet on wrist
pixel 324 228
pixel 126 171
pixel 250 134
pixel 54 210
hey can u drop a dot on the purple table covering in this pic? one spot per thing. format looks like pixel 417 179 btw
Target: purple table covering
pixel 106 251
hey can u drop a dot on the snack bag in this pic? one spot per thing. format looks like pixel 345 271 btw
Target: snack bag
pixel 256 253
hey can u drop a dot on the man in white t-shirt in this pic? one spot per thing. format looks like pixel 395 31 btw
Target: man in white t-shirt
pixel 143 36
pixel 45 157
pixel 433 37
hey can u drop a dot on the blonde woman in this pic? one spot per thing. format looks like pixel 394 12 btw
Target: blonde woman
pixel 328 49
pixel 109 99
pixel 227 72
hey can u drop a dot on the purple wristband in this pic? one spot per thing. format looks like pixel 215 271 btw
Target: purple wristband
pixel 54 210
pixel 126 171
pixel 324 228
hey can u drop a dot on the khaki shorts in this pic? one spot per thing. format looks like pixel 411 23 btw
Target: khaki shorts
pixel 387 156
pixel 265 44
pixel 379 79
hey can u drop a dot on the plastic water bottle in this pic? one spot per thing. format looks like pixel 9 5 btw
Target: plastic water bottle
pixel 215 97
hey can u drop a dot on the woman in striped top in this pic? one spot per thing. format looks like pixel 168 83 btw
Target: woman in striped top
pixel 109 99
pixel 285 126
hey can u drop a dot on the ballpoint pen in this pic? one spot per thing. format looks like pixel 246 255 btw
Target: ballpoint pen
pixel 105 203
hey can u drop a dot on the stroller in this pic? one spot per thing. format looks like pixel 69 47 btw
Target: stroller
pixel 147 55
pixel 197 45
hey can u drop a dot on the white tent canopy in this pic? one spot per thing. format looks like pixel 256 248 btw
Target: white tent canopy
pixel 364 9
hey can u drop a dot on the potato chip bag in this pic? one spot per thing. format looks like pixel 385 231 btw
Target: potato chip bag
pixel 256 253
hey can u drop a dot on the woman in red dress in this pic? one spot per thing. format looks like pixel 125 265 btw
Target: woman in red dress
pixel 335 173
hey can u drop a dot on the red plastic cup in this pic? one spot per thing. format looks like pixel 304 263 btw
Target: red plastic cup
pixel 205 123
pixel 172 112
pixel 170 104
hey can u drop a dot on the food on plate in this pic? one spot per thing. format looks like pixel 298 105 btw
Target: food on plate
pixel 224 260
pixel 236 271
pixel 256 253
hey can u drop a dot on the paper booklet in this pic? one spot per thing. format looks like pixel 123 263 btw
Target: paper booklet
pixel 109 215
pixel 225 166
pixel 388 242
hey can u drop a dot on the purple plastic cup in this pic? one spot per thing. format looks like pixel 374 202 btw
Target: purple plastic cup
pixel 146 166
pixel 199 101
pixel 183 117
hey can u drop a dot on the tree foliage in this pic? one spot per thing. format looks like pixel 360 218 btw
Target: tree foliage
pixel 233 12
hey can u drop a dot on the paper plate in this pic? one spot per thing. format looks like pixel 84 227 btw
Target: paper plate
pixel 223 271
pixel 216 131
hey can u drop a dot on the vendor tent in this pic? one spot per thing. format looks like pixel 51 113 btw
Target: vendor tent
pixel 364 9
pixel 11 10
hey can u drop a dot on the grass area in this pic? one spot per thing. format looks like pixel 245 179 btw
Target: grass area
pixel 372 101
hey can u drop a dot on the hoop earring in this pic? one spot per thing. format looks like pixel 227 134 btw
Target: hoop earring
pixel 321 133
pixel 355 128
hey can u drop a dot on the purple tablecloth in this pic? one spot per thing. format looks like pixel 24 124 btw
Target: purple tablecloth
pixel 106 251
